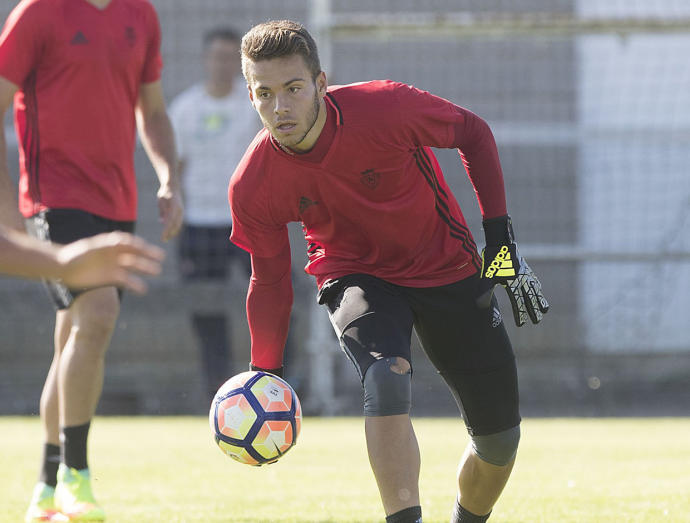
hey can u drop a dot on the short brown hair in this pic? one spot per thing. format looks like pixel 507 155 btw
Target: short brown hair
pixel 279 38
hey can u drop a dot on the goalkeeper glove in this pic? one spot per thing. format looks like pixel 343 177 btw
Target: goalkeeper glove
pixel 278 372
pixel 502 264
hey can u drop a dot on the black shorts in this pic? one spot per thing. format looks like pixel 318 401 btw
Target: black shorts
pixel 207 252
pixel 468 346
pixel 65 226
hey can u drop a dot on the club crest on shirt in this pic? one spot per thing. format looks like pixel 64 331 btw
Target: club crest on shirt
pixel 370 178
pixel 305 203
pixel 130 36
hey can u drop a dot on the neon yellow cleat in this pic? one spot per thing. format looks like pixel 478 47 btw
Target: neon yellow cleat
pixel 73 496
pixel 42 505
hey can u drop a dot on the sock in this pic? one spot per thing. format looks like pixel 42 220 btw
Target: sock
pixel 462 515
pixel 406 515
pixel 73 445
pixel 51 460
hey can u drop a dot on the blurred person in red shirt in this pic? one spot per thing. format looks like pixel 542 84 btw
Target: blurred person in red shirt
pixel 83 75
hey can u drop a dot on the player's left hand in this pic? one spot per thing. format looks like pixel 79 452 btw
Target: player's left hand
pixel 170 211
pixel 502 264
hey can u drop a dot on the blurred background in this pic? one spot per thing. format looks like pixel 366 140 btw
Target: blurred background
pixel 589 101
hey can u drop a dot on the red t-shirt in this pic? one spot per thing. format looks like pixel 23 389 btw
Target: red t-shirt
pixel 79 69
pixel 370 195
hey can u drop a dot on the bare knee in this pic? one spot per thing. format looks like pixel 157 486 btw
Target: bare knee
pixel 94 313
pixel 400 365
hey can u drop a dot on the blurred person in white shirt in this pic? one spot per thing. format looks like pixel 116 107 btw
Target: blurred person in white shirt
pixel 214 123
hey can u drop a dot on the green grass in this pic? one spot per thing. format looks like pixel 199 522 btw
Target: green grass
pixel 168 470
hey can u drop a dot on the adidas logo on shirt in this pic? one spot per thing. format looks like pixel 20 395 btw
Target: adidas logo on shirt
pixel 79 39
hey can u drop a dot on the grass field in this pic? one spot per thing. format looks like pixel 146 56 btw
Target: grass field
pixel 168 470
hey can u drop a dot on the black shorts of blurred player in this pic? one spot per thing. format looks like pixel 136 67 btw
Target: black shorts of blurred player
pixel 65 226
pixel 207 254
pixel 468 346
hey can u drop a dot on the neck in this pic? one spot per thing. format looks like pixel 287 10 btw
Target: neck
pixel 310 139
pixel 100 4
pixel 218 90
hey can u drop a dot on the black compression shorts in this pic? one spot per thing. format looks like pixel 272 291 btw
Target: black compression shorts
pixel 468 346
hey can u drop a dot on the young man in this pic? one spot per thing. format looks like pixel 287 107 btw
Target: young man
pixel 390 250
pixel 113 258
pixel 83 74
pixel 214 122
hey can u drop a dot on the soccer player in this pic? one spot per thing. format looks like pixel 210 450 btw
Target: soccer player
pixel 214 122
pixel 113 258
pixel 390 250
pixel 84 75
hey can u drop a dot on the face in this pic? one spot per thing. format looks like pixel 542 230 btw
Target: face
pixel 288 101
pixel 222 61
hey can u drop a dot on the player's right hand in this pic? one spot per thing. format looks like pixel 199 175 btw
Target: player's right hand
pixel 114 258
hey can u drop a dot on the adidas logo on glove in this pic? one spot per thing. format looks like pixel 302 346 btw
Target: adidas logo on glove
pixel 501 265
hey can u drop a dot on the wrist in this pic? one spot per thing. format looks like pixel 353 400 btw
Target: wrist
pixel 278 372
pixel 170 186
pixel 169 192
pixel 499 230
pixel 55 262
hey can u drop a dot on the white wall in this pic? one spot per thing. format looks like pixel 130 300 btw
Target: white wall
pixel 634 181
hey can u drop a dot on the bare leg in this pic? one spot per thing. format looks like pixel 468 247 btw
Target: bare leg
pixel 394 455
pixel 81 365
pixel 480 483
pixel 49 397
pixel 394 458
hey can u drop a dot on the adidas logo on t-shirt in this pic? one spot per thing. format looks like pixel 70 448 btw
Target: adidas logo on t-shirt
pixel 79 39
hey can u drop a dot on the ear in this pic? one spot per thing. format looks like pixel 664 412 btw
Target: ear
pixel 251 94
pixel 322 83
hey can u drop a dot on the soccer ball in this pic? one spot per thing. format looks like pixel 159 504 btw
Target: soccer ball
pixel 255 417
